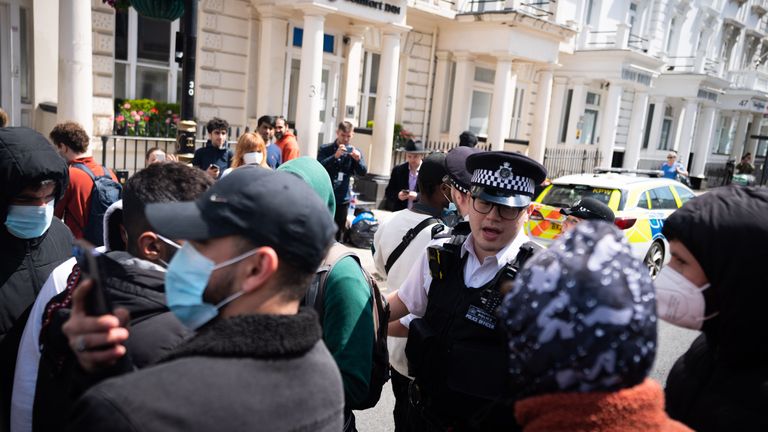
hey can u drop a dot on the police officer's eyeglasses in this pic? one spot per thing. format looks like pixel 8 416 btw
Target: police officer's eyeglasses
pixel 485 207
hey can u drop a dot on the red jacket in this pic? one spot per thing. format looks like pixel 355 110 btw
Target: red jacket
pixel 76 205
pixel 638 408
pixel 288 146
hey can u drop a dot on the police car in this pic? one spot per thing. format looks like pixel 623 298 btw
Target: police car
pixel 641 205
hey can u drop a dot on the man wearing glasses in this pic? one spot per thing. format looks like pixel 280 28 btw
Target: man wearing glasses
pixel 586 209
pixel 456 351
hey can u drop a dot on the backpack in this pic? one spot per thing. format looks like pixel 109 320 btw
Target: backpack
pixel 316 297
pixel 104 193
pixel 364 226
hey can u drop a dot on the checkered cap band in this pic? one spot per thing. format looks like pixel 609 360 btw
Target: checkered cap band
pixel 458 187
pixel 504 179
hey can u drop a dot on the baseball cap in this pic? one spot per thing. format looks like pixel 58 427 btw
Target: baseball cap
pixel 591 209
pixel 505 178
pixel 270 208
pixel 432 169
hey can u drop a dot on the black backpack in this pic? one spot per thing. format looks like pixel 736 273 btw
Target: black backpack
pixel 104 193
pixel 316 298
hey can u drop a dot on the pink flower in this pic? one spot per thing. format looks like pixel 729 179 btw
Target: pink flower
pixel 120 118
pixel 141 113
pixel 133 113
pixel 168 121
pixel 136 118
pixel 126 106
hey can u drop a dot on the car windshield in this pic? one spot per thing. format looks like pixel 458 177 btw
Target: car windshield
pixel 567 195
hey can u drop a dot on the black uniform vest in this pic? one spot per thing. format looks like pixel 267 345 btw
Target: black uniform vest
pixel 457 352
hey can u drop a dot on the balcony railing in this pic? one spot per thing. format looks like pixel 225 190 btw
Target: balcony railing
pixel 750 79
pixel 621 38
pixel 538 8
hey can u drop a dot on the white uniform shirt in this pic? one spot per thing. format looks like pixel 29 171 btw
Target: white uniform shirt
pixel 415 289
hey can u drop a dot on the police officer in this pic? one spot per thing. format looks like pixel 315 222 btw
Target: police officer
pixel 459 179
pixel 586 209
pixel 457 351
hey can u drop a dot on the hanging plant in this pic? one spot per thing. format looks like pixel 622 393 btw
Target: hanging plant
pixel 169 10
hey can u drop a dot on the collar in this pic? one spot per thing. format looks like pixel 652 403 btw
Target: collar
pixel 641 406
pixel 256 336
pixel 425 209
pixel 82 160
pixel 504 256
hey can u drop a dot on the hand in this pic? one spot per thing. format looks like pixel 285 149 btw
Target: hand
pixel 403 195
pixel 355 155
pixel 96 341
pixel 412 195
pixel 340 151
pixel 213 171
pixel 171 157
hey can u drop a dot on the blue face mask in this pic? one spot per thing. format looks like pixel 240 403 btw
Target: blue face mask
pixel 28 222
pixel 451 215
pixel 185 282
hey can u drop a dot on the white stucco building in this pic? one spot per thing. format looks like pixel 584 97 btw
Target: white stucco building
pixel 625 80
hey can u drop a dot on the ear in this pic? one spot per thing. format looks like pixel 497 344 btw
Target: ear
pixel 149 247
pixel 259 268
pixel 123 234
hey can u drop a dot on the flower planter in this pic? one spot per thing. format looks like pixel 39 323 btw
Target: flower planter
pixel 160 9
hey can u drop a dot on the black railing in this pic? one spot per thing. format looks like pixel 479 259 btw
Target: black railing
pixel 561 161
pixel 638 43
pixel 478 6
pixel 398 156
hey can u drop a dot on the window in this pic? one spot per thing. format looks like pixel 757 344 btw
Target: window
pixel 485 75
pixel 515 128
pixel 684 194
pixel 564 117
pixel 445 121
pixel 479 112
pixel 329 41
pixel 369 87
pixel 662 199
pixel 725 132
pixel 590 12
pixel 25 90
pixel 567 195
pixel 666 129
pixel 144 58
pixel 648 122
pixel 588 121
pixel 633 19
pixel 671 35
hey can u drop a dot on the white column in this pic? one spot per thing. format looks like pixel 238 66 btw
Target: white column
pixel 702 140
pixel 741 134
pixel 753 130
pixel 352 73
pixel 439 102
pixel 556 111
pixel 609 123
pixel 384 114
pixel 310 74
pixel 75 92
pixel 578 100
pixel 542 116
pixel 462 94
pixel 501 103
pixel 636 125
pixel 656 122
pixel 687 122
pixel 271 57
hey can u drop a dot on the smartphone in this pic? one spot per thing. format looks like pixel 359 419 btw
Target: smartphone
pixel 160 157
pixel 92 264
pixel 214 166
pixel 405 191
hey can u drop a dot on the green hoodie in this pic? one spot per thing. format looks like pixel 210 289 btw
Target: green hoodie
pixel 348 316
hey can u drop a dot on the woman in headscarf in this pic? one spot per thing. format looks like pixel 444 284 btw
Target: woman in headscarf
pixel 581 323
pixel 716 283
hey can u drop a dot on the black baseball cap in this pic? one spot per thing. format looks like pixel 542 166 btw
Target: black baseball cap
pixel 505 178
pixel 270 208
pixel 432 169
pixel 590 209
pixel 456 165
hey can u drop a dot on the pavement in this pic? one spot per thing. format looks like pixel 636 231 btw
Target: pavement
pixel 672 343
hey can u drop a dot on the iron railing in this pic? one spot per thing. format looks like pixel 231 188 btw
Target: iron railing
pixel 398 156
pixel 565 161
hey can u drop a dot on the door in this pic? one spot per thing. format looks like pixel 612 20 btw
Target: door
pixel 329 97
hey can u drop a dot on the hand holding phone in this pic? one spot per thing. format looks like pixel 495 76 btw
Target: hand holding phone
pixel 91 264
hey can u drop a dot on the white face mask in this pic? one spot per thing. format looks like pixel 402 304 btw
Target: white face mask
pixel 679 301
pixel 253 158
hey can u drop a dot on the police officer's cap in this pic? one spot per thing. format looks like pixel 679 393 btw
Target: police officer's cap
pixel 505 178
pixel 456 165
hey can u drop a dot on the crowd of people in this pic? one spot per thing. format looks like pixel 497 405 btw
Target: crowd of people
pixel 217 296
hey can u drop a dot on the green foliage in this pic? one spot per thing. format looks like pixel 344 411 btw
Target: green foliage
pixel 400 135
pixel 146 117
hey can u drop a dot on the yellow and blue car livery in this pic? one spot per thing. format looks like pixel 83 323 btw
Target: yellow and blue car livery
pixel 641 205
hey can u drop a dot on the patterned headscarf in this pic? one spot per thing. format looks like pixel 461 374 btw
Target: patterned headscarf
pixel 581 316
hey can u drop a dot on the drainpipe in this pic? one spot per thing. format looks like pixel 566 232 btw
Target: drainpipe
pixel 430 89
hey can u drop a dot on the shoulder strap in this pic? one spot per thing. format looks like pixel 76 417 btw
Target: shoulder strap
pixel 407 239
pixel 316 291
pixel 526 251
pixel 90 173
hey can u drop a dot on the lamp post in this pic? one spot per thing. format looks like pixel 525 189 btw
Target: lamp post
pixel 187 39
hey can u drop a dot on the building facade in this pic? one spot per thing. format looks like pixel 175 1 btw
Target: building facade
pixel 626 80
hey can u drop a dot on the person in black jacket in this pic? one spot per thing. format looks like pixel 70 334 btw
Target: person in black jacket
pixel 257 361
pixel 33 177
pixel 715 283
pixel 135 285
pixel 402 189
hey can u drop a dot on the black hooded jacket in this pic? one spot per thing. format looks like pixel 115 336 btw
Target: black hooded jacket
pixel 26 158
pixel 721 382
pixel 134 284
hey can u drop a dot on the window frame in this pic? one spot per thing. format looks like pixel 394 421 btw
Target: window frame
pixel 368 98
pixel 653 196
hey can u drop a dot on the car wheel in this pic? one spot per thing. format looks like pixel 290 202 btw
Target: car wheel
pixel 654 259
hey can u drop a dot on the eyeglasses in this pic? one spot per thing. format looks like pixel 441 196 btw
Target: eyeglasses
pixel 505 212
